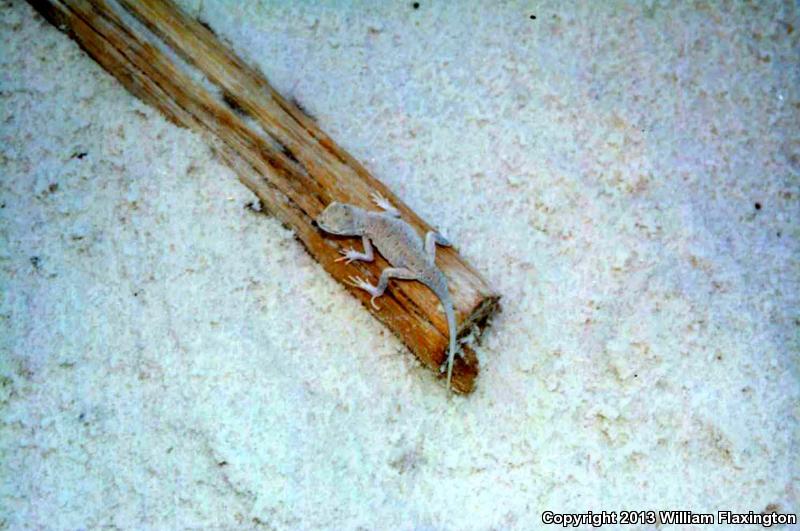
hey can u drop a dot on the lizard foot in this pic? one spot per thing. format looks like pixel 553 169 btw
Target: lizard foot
pixel 379 200
pixel 384 203
pixel 349 255
pixel 360 283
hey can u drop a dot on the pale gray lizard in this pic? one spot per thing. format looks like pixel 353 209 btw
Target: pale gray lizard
pixel 402 247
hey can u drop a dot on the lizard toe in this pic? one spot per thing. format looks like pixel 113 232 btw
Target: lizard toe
pixel 372 302
pixel 345 255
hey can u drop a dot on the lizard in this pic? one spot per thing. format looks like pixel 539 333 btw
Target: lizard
pixel 401 245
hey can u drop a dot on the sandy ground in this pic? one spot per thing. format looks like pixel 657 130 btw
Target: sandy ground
pixel 626 175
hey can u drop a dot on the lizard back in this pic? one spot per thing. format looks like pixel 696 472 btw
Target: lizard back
pixel 399 243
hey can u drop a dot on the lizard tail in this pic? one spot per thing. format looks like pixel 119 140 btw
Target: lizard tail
pixel 451 325
pixel 439 286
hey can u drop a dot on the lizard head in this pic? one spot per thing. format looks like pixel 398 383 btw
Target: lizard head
pixel 341 219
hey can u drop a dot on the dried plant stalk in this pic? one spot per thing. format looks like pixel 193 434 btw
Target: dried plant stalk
pixel 179 66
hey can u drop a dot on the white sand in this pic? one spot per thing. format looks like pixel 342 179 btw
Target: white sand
pixel 170 359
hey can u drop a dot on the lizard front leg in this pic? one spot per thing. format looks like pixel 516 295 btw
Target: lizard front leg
pixel 431 239
pixel 384 203
pixel 351 254
pixel 386 275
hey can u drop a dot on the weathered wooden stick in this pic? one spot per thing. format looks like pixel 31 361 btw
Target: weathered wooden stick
pixel 179 66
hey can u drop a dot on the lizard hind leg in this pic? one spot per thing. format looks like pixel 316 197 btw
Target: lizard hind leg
pixel 431 239
pixel 386 275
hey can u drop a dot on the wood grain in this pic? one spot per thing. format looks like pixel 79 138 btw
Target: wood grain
pixel 179 66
